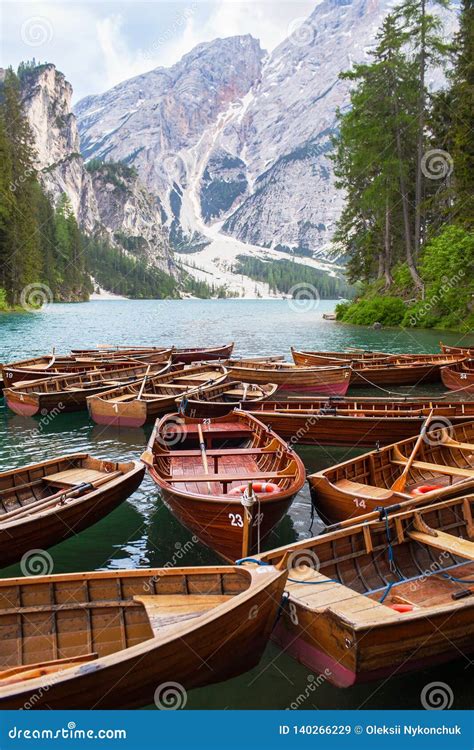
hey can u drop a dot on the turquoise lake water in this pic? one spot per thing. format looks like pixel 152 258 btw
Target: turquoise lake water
pixel 142 532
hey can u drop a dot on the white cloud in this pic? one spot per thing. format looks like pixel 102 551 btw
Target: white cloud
pixel 99 44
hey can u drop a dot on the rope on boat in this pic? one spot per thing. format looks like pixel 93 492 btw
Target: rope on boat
pixel 374 385
pixel 387 591
pixel 456 580
pixel 251 560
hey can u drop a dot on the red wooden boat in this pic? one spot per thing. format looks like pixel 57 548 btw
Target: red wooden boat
pixel 206 486
pixel 459 377
pixel 203 354
pixel 388 371
pixel 69 393
pixel 331 381
pixel 354 421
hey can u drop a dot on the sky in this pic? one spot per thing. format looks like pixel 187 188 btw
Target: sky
pixel 99 44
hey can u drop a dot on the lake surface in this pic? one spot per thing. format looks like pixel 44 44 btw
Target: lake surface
pixel 142 532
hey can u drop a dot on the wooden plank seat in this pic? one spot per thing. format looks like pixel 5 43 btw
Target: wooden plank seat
pixel 223 429
pixel 71 477
pixel 453 471
pixel 228 478
pixel 447 542
pixel 164 610
pixel 364 490
pixel 217 452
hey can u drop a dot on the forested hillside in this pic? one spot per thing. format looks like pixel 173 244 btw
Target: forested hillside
pixel 282 275
pixel 405 158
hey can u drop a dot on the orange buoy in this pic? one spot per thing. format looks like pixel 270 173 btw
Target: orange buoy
pixel 426 488
pixel 401 607
pixel 258 487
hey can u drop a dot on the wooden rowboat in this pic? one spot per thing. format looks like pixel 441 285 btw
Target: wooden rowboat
pixel 122 639
pixel 45 503
pixel 221 399
pixel 70 393
pixel 203 354
pixel 386 371
pixel 40 368
pixel 136 403
pixel 467 351
pixel 382 597
pixel 443 467
pixel 332 381
pixel 356 422
pixel 205 486
pixel 459 377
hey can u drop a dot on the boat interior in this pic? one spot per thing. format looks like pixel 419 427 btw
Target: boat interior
pixel 408 562
pixel 442 460
pixel 173 385
pixel 24 491
pixel 49 624
pixel 237 452
pixel 235 391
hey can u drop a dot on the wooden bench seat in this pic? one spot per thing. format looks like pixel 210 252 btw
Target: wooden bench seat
pixel 453 471
pixel 228 478
pixel 71 477
pixel 364 490
pixel 164 610
pixel 447 542
pixel 216 452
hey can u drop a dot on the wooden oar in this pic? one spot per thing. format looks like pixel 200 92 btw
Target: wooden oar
pixel 79 489
pixel 400 483
pixel 53 359
pixel 203 454
pixel 140 392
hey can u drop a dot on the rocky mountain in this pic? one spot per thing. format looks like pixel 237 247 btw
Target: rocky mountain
pixel 109 200
pixel 234 136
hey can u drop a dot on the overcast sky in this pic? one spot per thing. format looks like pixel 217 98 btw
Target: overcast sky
pixel 98 44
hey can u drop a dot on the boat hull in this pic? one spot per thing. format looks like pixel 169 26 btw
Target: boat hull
pixel 219 524
pixel 199 355
pixel 331 382
pixel 212 650
pixel 375 653
pixel 457 379
pixel 361 430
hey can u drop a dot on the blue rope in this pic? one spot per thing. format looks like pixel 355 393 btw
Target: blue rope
pixel 387 590
pixel 250 560
pixel 456 580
